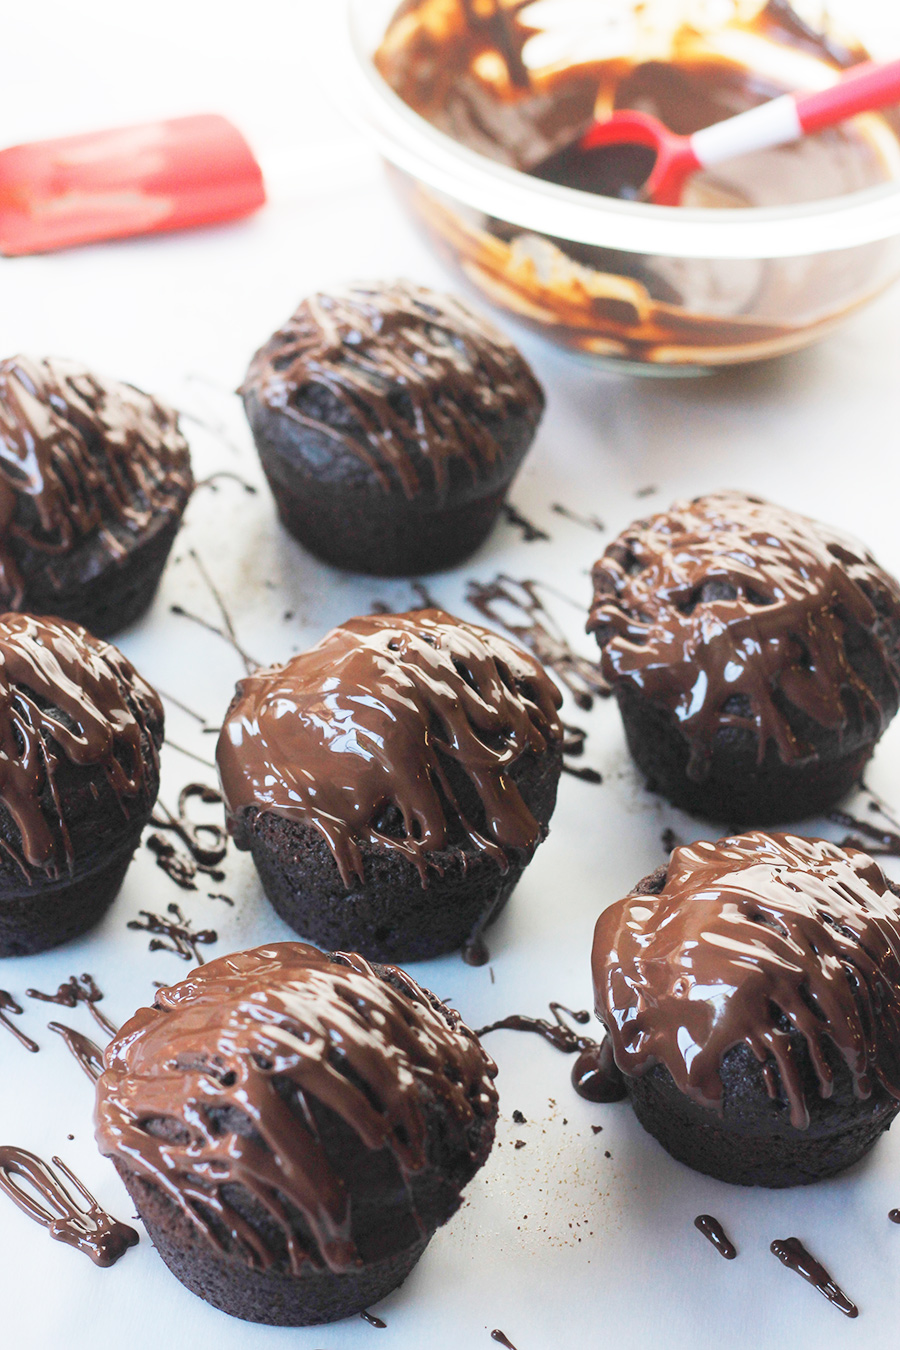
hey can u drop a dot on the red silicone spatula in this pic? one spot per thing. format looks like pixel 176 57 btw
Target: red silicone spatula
pixel 132 180
pixel 777 122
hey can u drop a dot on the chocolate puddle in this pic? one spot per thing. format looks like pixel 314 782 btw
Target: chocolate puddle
pixel 792 1253
pixel 182 939
pixel 9 1004
pixel 538 631
pixel 713 1231
pixel 90 1230
pixel 88 1055
pixel 78 989
pixel 594 1073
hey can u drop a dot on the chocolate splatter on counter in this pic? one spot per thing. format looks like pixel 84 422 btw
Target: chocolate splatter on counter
pixel 182 939
pixel 594 1073
pixel 792 1253
pixel 573 747
pixel 713 1231
pixel 9 1004
pixel 206 842
pixel 894 1215
pixel 90 1230
pixel 503 1340
pixel 373 1321
pixel 88 1055
pixel 517 607
pixel 78 989
pixel 589 522
pixel 875 840
pixel 531 533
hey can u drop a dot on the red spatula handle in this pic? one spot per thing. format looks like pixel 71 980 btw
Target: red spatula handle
pixel 862 89
pixel 131 180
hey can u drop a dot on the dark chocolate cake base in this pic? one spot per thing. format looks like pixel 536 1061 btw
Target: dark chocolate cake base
pixel 274 1297
pixel 737 789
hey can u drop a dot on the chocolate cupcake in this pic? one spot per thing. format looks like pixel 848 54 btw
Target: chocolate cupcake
pixel 94 479
pixel 751 991
pixel 293 1127
pixel 393 782
pixel 80 733
pixel 390 421
pixel 754 654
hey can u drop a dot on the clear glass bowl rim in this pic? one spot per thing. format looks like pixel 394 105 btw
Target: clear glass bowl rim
pixel 412 144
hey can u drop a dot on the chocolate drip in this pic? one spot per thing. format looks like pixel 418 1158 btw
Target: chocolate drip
pixel 88 1055
pixel 373 1321
pixel 749 941
pixel 9 1004
pixel 886 842
pixel 78 989
pixel 90 1230
pixel 206 843
pixel 504 1340
pixel 531 533
pixel 573 746
pixel 79 455
pixel 670 839
pixel 792 1253
pixel 66 694
pixel 727 611
pixel 421 381
pixel 594 1074
pixel 894 1215
pixel 179 932
pixel 539 632
pixel 715 1233
pixel 475 952
pixel 591 522
pixel 356 738
pixel 244 1036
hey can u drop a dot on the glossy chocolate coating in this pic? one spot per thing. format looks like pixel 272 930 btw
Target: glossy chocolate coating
pixel 413 379
pixel 64 693
pixel 357 737
pixel 80 456
pixel 751 940
pixel 261 1037
pixel 727 611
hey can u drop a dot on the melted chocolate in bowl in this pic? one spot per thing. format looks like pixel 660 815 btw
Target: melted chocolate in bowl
pixel 523 96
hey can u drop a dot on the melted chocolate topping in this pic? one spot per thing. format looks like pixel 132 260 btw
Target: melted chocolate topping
pixel 9 1005
pixel 78 989
pixel 241 1038
pixel 176 933
pixel 792 1253
pixel 206 843
pixel 420 380
pixel 354 737
pixel 90 1230
pixel 65 693
pixel 749 941
pixel 715 1233
pixel 77 455
pixel 727 611
pixel 594 1073
pixel 88 1055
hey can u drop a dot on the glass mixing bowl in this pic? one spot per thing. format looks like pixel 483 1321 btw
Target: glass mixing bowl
pixel 658 290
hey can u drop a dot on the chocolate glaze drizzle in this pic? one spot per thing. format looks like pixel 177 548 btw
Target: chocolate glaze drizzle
pixel 355 736
pixel 206 842
pixel 745 933
pixel 594 1073
pixel 531 533
pixel 504 1340
pixel 228 1044
pixel 420 380
pixel 176 933
pixel 539 632
pixel 726 608
pixel 90 1230
pixel 9 1004
pixel 792 1253
pixel 78 989
pixel 66 693
pixel 573 747
pixel 715 1233
pixel 77 455
pixel 88 1055
pixel 373 1321
pixel 591 522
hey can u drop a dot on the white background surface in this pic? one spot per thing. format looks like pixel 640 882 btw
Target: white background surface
pixel 557 1244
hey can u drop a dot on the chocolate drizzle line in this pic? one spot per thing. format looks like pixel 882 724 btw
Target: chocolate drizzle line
pixel 715 1233
pixel 531 533
pixel 66 694
pixel 78 989
pixel 539 632
pixel 421 381
pixel 727 611
pixel 78 454
pixel 373 1321
pixel 752 940
pixel 90 1230
pixel 594 1074
pixel 88 1055
pixel 9 1004
pixel 792 1253
pixel 876 839
pixel 589 522
pixel 182 940
pixel 241 1038
pixel 355 738
pixel 206 843
pixel 573 747
pixel 504 1340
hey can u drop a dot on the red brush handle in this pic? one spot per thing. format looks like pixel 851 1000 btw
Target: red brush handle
pixel 862 89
